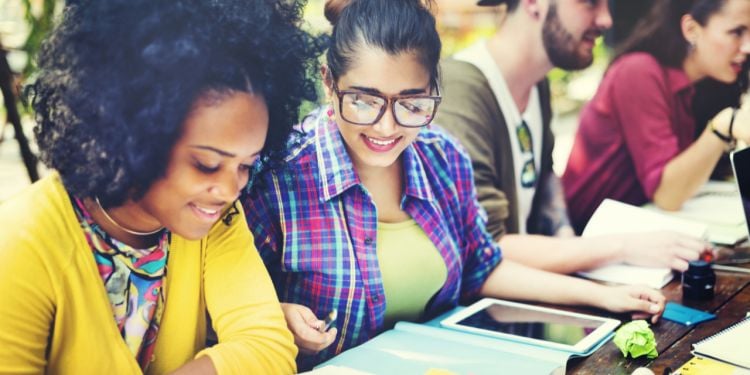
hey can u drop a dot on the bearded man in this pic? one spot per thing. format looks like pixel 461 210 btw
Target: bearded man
pixel 496 101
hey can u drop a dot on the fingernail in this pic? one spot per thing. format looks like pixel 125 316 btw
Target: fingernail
pixel 654 308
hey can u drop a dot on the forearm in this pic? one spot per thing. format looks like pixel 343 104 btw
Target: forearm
pixel 688 171
pixel 561 255
pixel 510 280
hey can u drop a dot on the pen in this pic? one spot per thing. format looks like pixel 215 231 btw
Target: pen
pixel 720 267
pixel 328 321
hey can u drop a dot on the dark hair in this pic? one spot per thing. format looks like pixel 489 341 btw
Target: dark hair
pixel 511 5
pixel 393 26
pixel 118 79
pixel 660 33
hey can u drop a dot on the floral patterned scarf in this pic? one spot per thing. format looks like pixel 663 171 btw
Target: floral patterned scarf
pixel 134 281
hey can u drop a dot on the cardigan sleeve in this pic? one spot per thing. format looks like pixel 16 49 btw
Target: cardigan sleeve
pixel 27 305
pixel 252 331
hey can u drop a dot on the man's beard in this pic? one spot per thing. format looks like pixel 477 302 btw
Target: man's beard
pixel 561 46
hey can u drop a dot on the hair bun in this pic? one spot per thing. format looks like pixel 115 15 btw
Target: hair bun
pixel 334 8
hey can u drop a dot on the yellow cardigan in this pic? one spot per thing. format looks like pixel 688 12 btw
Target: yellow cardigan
pixel 55 316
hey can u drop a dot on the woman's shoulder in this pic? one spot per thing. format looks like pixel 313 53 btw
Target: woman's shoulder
pixel 635 63
pixel 44 205
pixel 40 219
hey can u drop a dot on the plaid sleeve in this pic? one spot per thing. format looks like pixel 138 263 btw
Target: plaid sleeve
pixel 481 254
pixel 261 214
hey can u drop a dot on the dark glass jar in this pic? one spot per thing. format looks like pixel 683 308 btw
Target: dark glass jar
pixel 698 281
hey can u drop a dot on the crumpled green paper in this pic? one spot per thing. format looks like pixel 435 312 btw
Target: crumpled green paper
pixel 637 339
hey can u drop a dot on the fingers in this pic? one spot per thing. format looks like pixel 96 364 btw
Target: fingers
pixel 679 264
pixel 311 341
pixel 307 336
pixel 649 301
pixel 687 249
pixel 688 254
pixel 693 243
pixel 304 325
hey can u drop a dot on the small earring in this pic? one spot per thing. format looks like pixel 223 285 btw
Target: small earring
pixel 330 113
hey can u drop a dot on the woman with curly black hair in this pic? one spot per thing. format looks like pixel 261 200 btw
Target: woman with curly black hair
pixel 152 114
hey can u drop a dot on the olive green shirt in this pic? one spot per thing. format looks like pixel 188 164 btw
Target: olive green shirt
pixel 470 112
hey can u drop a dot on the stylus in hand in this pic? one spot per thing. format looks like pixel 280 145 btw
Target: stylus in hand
pixel 328 321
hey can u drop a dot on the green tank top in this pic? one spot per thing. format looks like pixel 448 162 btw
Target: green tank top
pixel 411 267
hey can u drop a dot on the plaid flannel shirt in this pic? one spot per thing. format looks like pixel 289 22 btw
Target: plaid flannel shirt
pixel 315 226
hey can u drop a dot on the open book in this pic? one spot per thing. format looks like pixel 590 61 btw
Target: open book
pixel 411 348
pixel 613 217
pixel 718 205
pixel 730 345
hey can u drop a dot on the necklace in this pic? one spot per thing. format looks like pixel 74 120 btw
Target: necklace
pixel 126 230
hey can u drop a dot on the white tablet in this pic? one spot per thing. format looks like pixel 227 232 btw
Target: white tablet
pixel 535 325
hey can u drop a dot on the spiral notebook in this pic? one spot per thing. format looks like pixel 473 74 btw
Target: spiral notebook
pixel 729 345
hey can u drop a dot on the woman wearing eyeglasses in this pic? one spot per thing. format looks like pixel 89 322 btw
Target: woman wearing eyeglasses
pixel 375 215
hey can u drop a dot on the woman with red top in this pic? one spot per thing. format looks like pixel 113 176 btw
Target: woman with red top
pixel 636 141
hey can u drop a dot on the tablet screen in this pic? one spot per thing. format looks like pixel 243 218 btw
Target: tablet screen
pixel 541 325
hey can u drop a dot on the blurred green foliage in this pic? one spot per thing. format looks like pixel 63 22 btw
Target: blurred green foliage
pixel 40 17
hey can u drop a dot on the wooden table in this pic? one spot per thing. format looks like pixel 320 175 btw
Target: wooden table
pixel 674 341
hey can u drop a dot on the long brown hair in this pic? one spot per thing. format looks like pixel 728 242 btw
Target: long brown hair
pixel 660 32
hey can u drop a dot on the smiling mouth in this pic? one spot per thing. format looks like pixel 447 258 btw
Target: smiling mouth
pixel 380 145
pixel 205 213
pixel 382 142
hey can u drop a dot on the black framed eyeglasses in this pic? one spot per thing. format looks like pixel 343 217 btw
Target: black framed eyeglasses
pixel 528 171
pixel 410 111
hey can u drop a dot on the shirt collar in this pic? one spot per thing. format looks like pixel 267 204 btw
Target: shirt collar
pixel 417 184
pixel 337 170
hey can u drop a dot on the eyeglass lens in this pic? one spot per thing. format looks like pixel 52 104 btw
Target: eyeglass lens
pixel 360 108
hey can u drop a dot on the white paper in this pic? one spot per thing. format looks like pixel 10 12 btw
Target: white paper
pixel 719 206
pixel 613 217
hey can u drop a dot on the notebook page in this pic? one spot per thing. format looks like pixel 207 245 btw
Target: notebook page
pixel 730 345
pixel 612 217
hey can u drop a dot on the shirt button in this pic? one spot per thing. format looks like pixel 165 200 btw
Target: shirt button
pixel 368 241
pixel 375 298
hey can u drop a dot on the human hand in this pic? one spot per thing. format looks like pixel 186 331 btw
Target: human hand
pixel 661 249
pixel 740 126
pixel 305 327
pixel 640 300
